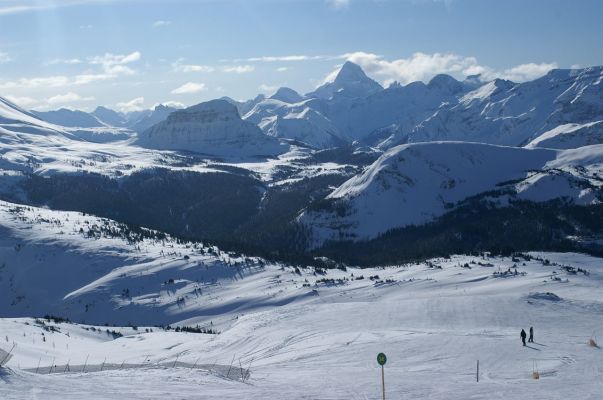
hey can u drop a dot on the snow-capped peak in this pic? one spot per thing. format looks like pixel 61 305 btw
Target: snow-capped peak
pixel 350 81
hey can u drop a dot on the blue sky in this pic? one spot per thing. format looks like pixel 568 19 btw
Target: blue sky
pixel 133 54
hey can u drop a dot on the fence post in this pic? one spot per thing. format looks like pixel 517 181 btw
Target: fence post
pixel 103 365
pixel 85 363
pixel 228 374
pixel 38 367
pixel 477 373
pixel 249 368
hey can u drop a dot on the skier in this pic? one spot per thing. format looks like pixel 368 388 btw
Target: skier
pixel 531 339
pixel 523 337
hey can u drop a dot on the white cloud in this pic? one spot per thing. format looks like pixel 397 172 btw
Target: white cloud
pixel 68 98
pixel 239 69
pixel 284 58
pixel 116 64
pixel 190 87
pixel 14 9
pixel 422 67
pixel 132 105
pixel 68 61
pixel 178 66
pixel 267 88
pixel 21 6
pixel 4 58
pixel 22 101
pixel 34 83
pixel 282 69
pixel 85 79
pixel 527 72
pixel 160 23
pixel 84 27
pixel 339 3
pixel 112 65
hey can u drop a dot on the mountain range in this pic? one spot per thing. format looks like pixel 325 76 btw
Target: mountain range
pixel 348 165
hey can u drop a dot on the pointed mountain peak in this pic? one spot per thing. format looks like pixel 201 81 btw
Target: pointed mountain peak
pixel 350 81
pixel 351 72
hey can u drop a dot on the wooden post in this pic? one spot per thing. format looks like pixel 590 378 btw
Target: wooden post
pixel 477 373
pixel 85 363
pixel 383 380
pixel 103 365
pixel 39 361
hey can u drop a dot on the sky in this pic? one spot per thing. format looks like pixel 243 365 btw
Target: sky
pixel 134 54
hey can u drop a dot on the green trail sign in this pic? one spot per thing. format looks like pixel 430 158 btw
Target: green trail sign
pixel 381 359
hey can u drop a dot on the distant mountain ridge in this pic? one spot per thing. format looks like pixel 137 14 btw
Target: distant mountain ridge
pixel 353 107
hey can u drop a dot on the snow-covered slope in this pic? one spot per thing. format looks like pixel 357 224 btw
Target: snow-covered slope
pixel 300 121
pixel 97 270
pixel 433 320
pixel 413 184
pixel 19 121
pixel 570 136
pixel 70 118
pixel 214 128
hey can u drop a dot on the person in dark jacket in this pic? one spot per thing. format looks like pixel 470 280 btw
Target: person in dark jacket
pixel 523 337
pixel 531 339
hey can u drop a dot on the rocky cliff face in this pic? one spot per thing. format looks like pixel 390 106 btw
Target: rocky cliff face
pixel 214 128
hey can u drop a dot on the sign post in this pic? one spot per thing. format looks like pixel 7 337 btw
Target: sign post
pixel 382 359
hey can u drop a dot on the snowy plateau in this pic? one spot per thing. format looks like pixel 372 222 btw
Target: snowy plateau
pixel 271 248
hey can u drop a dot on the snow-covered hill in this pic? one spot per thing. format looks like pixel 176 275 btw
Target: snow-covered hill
pixel 97 270
pixel 18 121
pixel 213 128
pixel 570 136
pixel 414 184
pixel 433 320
